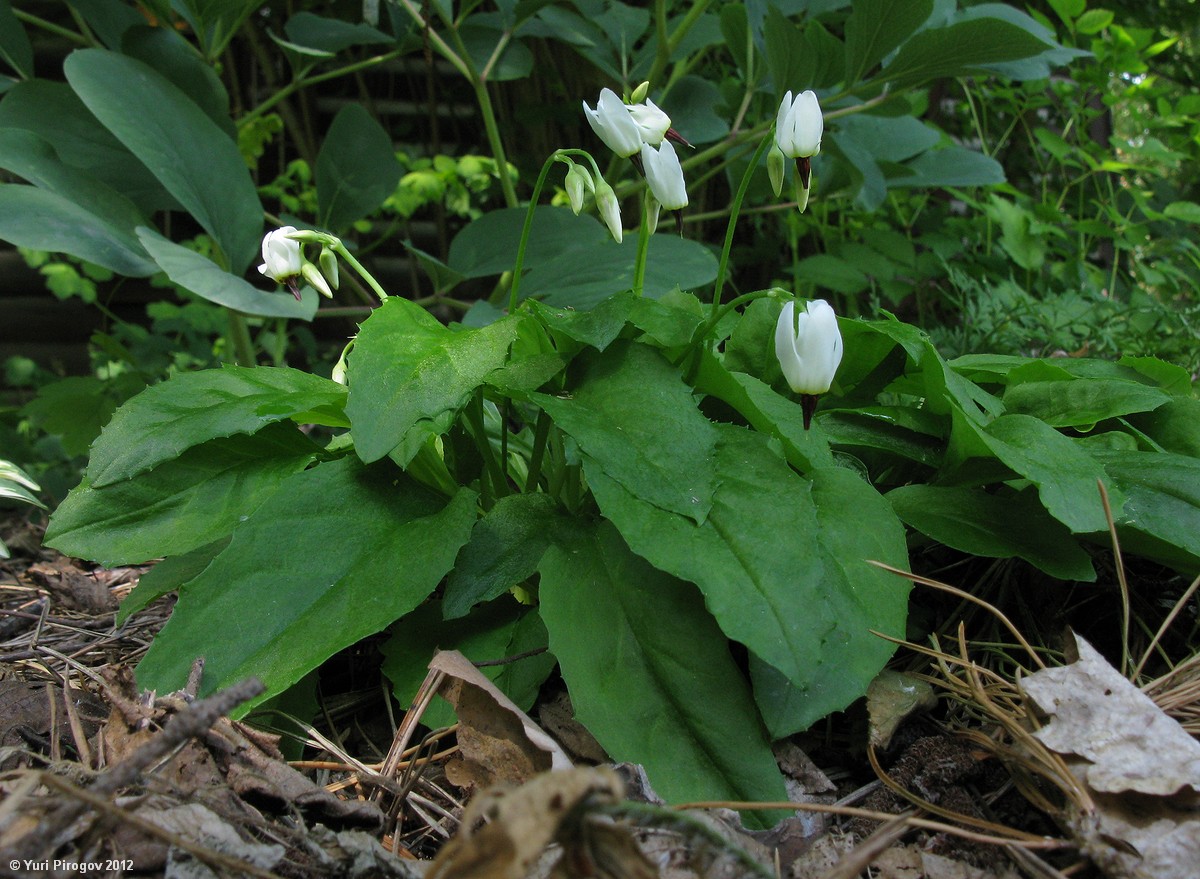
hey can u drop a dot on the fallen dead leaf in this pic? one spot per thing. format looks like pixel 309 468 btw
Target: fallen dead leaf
pixel 1140 768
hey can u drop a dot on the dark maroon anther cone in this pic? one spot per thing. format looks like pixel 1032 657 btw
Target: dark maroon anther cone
pixel 636 158
pixel 674 135
pixel 294 287
pixel 679 221
pixel 804 170
pixel 808 405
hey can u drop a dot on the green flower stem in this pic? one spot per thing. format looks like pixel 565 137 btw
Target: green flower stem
pixel 305 81
pixel 541 432
pixel 239 336
pixel 715 319
pixel 735 209
pixel 527 227
pixel 51 27
pixel 639 266
pixel 339 248
pixel 491 481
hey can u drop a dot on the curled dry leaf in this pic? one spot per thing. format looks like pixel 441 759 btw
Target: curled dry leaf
pixel 1139 767
pixel 498 742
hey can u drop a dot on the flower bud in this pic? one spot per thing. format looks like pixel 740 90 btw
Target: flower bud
pixel 775 168
pixel 577 184
pixel 316 280
pixel 610 210
pixel 639 93
pixel 329 267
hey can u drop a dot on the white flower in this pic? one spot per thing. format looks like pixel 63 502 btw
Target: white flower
pixel 809 354
pixel 613 124
pixel 799 125
pixel 653 124
pixel 665 175
pixel 281 255
pixel 610 210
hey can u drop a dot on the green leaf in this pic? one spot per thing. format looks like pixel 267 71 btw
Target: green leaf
pixel 488 245
pixel 693 110
pixel 1065 475
pixel 331 34
pixel 44 220
pixel 505 547
pixel 957 50
pixel 999 526
pixel 1093 21
pixel 954 166
pixel 1188 211
pixel 876 27
pixel 634 415
pixel 767 412
pixel 515 60
pixel 191 408
pixel 410 375
pixel 1161 516
pixel 192 157
pixel 339 552
pixel 1174 426
pixel 775 583
pixel 1081 402
pixel 15 47
pixel 597 326
pixel 494 631
pixel 180 505
pixel 200 275
pixel 586 276
pixel 169 575
pixel 645 664
pixel 171 55
pixel 914 434
pixel 54 113
pixel 356 169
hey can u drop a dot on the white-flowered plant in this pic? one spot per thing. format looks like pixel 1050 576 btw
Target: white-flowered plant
pixel 808 346
pixel 653 124
pixel 282 257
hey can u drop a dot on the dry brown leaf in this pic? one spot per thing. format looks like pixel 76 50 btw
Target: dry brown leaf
pixel 497 741
pixel 506 829
pixel 893 697
pixel 1140 767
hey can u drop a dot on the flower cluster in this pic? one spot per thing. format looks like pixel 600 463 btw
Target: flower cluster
pixel 285 263
pixel 639 131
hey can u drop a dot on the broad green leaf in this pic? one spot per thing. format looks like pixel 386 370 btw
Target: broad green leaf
pixel 356 169
pixel 750 347
pixel 1068 10
pixel 331 34
pixel 410 375
pixel 191 408
pixel 998 526
pixel 169 575
pixel 54 112
pixel 494 631
pixel 75 409
pixel 767 412
pixel 633 414
pixel 514 61
pixel 1065 475
pixel 784 50
pixel 772 581
pixel 597 326
pixel 111 20
pixel 914 434
pixel 15 48
pixel 954 166
pixel 1081 402
pixel 1161 516
pixel 44 220
pixel 171 55
pixel 1093 21
pixel 645 665
pixel 181 504
pixel 876 27
pixel 192 157
pixel 339 552
pixel 586 276
pixel 957 50
pixel 1174 426
pixel 505 547
pixel 693 110
pixel 202 276
pixel 1188 211
pixel 30 156
pixel 1171 377
pixel 488 245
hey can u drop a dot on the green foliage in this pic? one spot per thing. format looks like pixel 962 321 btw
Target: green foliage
pixel 614 467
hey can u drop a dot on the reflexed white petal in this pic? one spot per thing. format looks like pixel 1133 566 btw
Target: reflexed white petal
pixel 664 174
pixel 613 124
